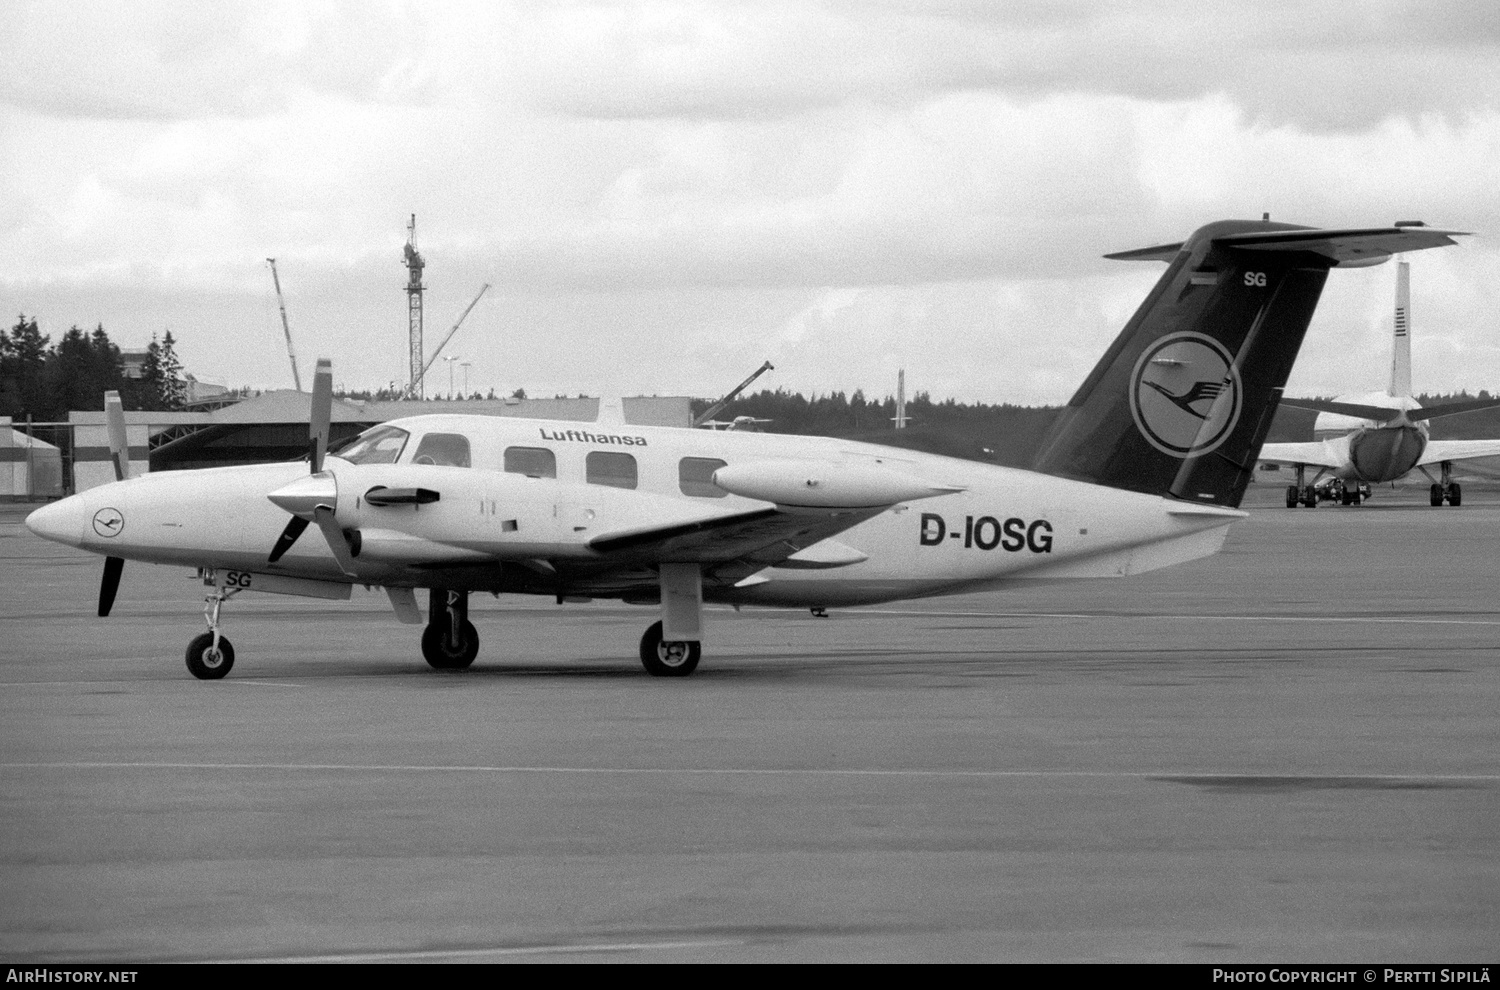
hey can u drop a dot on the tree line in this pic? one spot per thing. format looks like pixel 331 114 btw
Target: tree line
pixel 43 381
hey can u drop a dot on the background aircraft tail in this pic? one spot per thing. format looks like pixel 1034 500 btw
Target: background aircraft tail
pixel 1180 403
pixel 1401 342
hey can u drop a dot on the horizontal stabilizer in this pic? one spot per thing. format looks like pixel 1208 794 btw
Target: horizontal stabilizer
pixel 1162 252
pixel 1452 409
pixel 1352 247
pixel 1381 414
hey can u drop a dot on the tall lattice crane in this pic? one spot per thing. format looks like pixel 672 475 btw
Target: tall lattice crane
pixel 414 287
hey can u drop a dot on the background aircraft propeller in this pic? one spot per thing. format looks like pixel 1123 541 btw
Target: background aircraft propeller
pixel 119 456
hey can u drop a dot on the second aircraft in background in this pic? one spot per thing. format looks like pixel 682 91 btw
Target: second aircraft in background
pixel 1360 440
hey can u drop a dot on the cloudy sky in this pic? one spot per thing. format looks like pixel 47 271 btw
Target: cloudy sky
pixel 663 195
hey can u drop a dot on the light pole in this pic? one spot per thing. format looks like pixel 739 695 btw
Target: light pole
pixel 465 365
pixel 450 359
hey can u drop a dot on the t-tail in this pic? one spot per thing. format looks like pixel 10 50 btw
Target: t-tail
pixel 1182 400
pixel 1401 342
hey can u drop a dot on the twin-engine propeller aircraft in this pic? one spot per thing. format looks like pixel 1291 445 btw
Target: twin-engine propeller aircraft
pixel 1144 468
pixel 1360 440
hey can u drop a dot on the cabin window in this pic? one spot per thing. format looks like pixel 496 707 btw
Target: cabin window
pixel 695 476
pixel 533 462
pixel 451 449
pixel 382 445
pixel 604 467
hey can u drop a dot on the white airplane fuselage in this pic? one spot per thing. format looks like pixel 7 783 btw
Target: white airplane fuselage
pixel 493 530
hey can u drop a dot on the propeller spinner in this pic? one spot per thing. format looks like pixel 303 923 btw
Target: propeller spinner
pixel 313 499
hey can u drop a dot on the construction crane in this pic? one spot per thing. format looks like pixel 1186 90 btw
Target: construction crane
pixel 421 375
pixel 286 329
pixel 714 409
pixel 414 287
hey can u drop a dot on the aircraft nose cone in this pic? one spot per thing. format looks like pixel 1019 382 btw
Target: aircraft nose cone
pixel 60 522
pixel 305 494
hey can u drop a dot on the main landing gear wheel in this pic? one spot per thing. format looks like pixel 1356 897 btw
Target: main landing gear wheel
pixel 1455 494
pixel 666 658
pixel 1293 496
pixel 443 655
pixel 206 662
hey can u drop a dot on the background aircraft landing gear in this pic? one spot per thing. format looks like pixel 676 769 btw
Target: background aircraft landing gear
pixel 1447 490
pixel 450 641
pixel 210 655
pixel 663 658
pixel 1302 493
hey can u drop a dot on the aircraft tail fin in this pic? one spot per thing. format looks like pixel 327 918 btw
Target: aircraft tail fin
pixel 1180 403
pixel 1401 342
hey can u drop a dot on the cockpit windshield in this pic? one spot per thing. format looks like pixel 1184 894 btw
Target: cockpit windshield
pixel 381 445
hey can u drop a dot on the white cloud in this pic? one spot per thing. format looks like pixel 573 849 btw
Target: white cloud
pixel 841 185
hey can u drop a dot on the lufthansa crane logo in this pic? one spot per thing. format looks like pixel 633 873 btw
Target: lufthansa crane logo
pixel 1185 394
pixel 109 522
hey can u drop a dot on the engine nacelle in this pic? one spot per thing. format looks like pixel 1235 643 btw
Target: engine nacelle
pixel 824 484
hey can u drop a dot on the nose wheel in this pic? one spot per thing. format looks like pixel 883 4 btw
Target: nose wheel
pixel 207 660
pixel 210 654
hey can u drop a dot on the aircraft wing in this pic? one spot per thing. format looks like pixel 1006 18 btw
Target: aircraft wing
pixel 733 546
pixel 1458 450
pixel 1318 453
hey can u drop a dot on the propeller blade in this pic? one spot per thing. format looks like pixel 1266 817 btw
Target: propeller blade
pixel 119 448
pixel 113 567
pixel 294 528
pixel 335 537
pixel 322 413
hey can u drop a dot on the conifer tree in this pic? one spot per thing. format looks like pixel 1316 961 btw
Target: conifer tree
pixel 173 388
pixel 23 355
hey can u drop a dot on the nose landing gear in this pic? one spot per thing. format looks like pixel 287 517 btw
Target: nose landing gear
pixel 210 654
